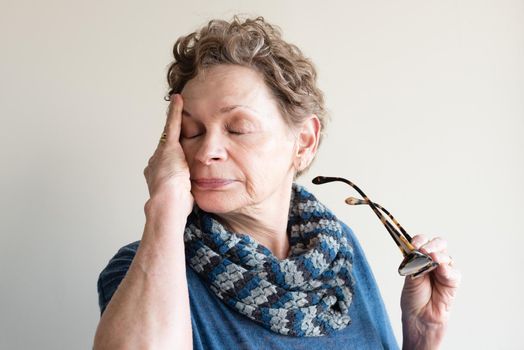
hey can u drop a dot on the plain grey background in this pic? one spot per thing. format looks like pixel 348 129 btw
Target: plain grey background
pixel 427 108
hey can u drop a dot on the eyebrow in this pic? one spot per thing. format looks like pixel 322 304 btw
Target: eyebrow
pixel 223 110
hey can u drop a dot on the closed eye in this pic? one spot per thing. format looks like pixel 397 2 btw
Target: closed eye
pixel 235 132
pixel 237 129
pixel 191 136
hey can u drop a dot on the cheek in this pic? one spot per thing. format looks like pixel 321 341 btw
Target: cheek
pixel 262 160
pixel 189 152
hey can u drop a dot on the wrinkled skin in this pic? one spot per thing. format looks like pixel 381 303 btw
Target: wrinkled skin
pixel 258 153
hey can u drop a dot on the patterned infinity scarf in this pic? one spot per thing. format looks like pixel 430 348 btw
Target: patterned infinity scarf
pixel 307 294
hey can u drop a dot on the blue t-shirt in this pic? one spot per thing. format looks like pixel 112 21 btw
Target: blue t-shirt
pixel 218 326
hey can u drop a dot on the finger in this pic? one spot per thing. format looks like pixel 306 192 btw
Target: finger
pixel 169 117
pixel 151 160
pixel 174 119
pixel 419 240
pixel 163 140
pixel 448 275
pixel 437 244
pixel 446 271
pixel 441 258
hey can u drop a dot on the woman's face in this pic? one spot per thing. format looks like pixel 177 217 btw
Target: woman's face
pixel 239 150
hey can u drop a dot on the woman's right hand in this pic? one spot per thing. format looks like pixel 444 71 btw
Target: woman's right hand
pixel 167 172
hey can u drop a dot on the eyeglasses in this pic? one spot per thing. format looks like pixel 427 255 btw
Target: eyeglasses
pixel 415 263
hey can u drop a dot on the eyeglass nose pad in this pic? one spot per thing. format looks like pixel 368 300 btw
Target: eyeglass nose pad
pixel 416 264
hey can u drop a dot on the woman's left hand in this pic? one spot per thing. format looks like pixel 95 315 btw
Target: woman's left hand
pixel 426 301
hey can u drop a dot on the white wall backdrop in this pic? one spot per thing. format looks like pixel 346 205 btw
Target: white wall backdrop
pixel 427 104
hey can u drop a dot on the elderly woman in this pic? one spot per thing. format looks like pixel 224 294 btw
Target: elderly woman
pixel 234 254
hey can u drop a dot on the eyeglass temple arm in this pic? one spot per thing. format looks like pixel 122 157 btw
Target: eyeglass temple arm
pixel 403 242
pixel 356 201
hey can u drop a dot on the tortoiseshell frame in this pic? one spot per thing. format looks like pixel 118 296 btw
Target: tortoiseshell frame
pixel 415 263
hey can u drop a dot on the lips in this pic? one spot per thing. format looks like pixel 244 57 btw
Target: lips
pixel 212 183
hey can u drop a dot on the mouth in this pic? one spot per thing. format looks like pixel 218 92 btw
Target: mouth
pixel 211 183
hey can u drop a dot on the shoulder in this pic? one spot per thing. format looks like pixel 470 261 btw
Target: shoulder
pixel 350 235
pixel 114 272
pixel 123 257
pixel 362 272
pixel 348 231
pixel 368 299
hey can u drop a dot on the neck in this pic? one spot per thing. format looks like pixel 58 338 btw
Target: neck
pixel 265 222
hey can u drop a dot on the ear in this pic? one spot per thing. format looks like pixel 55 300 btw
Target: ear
pixel 307 142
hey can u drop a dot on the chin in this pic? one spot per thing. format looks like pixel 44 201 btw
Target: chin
pixel 216 202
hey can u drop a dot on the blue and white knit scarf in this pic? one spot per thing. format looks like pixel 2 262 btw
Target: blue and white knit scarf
pixel 307 294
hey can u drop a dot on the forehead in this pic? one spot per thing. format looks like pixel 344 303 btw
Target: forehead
pixel 225 85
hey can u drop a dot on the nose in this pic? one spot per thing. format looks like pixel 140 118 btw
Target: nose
pixel 212 149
